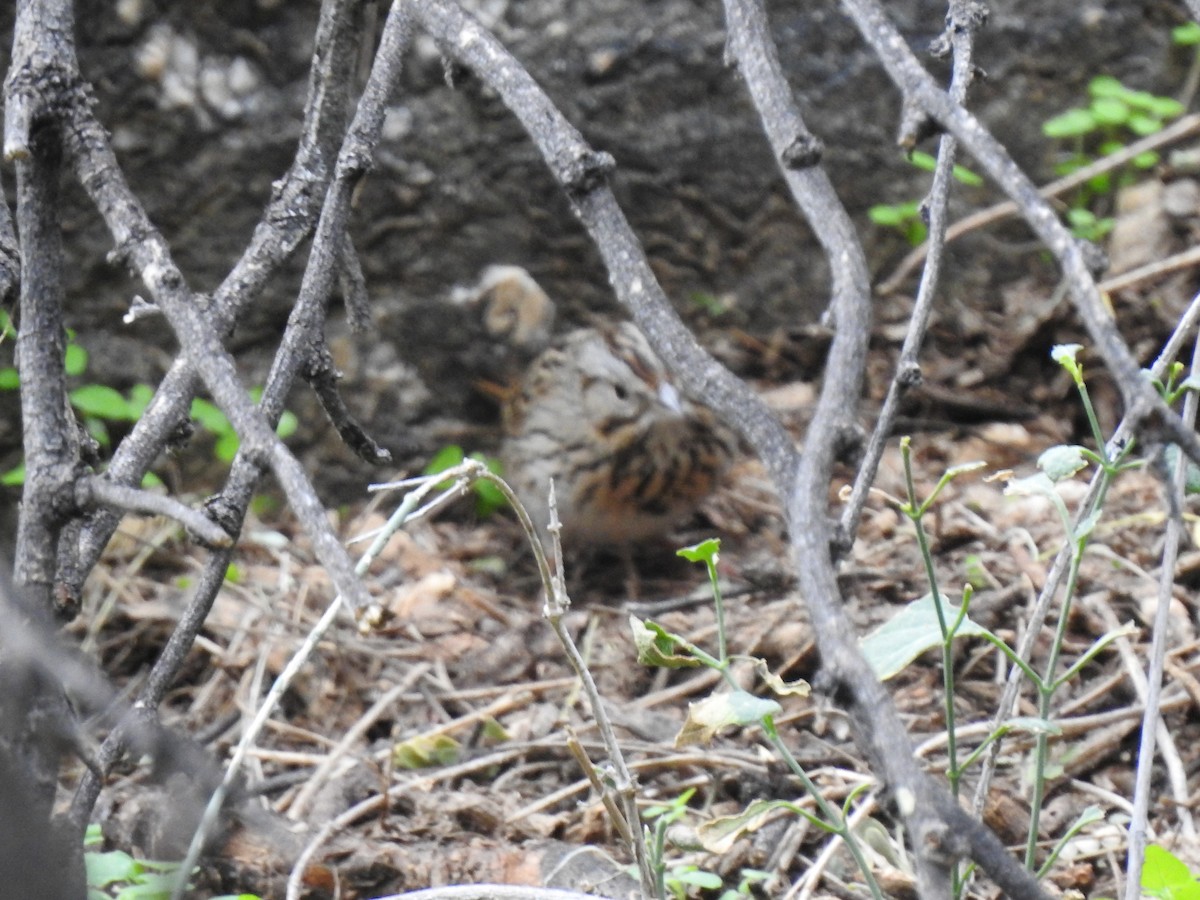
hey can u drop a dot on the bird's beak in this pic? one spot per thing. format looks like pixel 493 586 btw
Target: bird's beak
pixel 668 396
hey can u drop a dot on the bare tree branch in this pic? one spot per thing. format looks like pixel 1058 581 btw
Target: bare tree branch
pixel 119 496
pixel 287 221
pixel 965 17
pixel 230 507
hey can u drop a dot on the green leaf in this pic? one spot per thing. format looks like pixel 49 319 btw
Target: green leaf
pixel 446 458
pixel 708 716
pixel 14 477
pixel 75 360
pixel 967 177
pixel 709 303
pixel 905 217
pixel 1110 111
pixel 10 379
pixel 916 232
pixel 1062 461
pixel 1106 86
pixel 1147 160
pixel 103 402
pixel 922 160
pixel 494 733
pixel 152 886
pixel 673 810
pixel 890 216
pixel 1187 35
pixel 1081 218
pixel 288 423
pixel 706 551
pixel 488 496
pixel 98 430
pixel 1072 123
pixel 424 751
pixel 1100 184
pixel 1085 224
pixel 656 646
pixel 1143 125
pixel 1164 875
pixel 108 868
pixel 909 633
pixel 1159 107
pixel 209 416
pixel 1191 383
pixel 928 163
pixel 697 878
pixel 139 398
pixel 227 446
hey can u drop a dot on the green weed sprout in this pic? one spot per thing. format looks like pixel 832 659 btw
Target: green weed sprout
pixel 1114 116
pixel 931 621
pixel 907 217
pixel 213 420
pixel 1057 464
pixel 677 879
pixel 737 707
pixel 115 874
pixel 100 406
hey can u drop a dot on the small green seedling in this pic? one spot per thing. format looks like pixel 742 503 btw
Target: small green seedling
pixel 115 875
pixel 212 419
pixel 100 406
pixel 1114 116
pixel 904 217
pixel 908 218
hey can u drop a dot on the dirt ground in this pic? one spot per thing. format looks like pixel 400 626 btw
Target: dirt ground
pixel 435 751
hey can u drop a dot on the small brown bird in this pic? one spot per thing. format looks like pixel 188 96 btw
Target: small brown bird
pixel 629 455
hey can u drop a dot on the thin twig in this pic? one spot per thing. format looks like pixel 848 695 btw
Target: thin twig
pixel 1152 722
pixel 119 496
pixel 321 775
pixel 960 33
pixel 1187 259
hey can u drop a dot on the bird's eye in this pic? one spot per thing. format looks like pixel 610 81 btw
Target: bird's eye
pixel 621 391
